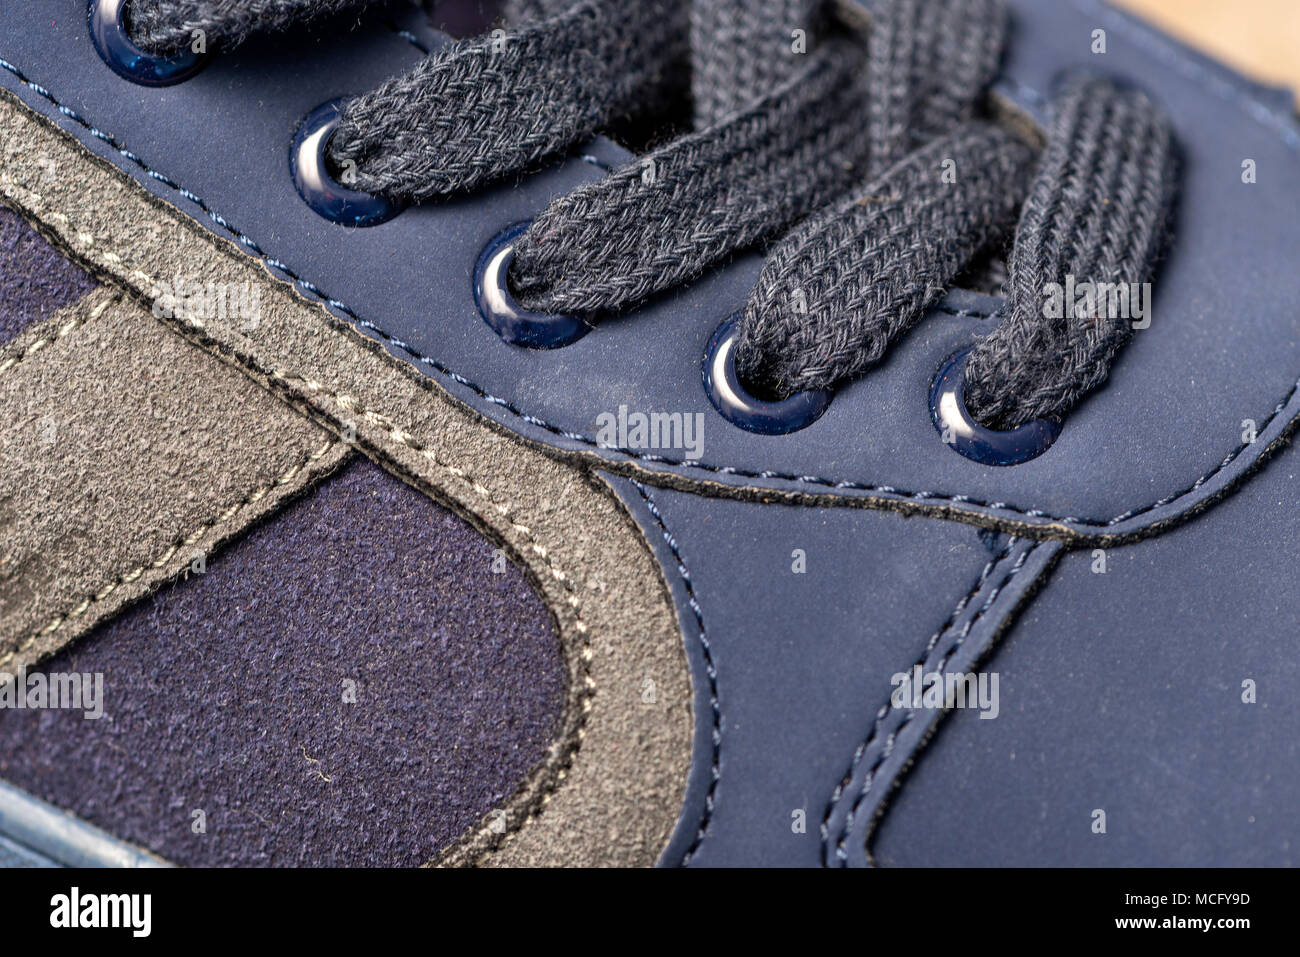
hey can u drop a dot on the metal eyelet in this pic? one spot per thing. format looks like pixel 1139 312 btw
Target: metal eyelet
pixel 500 310
pixel 319 190
pixel 108 32
pixel 737 406
pixel 959 429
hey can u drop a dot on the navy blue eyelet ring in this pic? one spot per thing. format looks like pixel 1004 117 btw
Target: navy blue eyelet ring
pixel 737 406
pixel 319 190
pixel 500 310
pixel 108 32
pixel 959 429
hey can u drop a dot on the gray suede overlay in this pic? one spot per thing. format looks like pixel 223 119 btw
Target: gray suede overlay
pixel 353 683
pixel 610 789
pixel 127 453
pixel 36 280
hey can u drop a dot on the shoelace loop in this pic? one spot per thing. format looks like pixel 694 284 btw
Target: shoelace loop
pixel 869 171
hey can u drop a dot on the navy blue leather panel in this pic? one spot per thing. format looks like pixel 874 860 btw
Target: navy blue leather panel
pixel 902 728
pixel 1161 438
pixel 1123 692
pixel 798 663
pixel 800 666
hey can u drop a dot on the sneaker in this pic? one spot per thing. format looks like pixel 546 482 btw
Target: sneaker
pixel 726 432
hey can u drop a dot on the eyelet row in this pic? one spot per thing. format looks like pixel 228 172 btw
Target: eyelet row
pixel 523 327
pixel 722 383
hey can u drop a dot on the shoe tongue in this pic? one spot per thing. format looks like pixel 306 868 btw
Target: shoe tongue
pixel 741 50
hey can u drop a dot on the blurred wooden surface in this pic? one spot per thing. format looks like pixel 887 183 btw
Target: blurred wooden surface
pixel 1259 38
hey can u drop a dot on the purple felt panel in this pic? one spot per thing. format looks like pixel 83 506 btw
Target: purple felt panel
pixel 225 693
pixel 36 280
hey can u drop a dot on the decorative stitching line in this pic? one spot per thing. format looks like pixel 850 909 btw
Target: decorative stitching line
pixel 75 322
pixel 1260 112
pixel 398 436
pixel 715 771
pixel 840 852
pixel 351 405
pixel 95 597
pixel 888 708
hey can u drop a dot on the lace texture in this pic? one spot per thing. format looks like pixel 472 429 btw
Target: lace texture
pixel 858 156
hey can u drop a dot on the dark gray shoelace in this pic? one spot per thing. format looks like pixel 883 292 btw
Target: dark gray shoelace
pixel 168 26
pixel 865 166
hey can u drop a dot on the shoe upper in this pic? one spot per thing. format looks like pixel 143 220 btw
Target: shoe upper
pixel 569 642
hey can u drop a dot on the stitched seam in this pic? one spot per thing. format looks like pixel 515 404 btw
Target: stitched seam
pixel 888 749
pixel 715 770
pixel 74 323
pixel 351 405
pixel 94 598
pixel 315 292
pixel 888 708
pixel 401 437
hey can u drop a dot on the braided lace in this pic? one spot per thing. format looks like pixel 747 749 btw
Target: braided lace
pixel 865 165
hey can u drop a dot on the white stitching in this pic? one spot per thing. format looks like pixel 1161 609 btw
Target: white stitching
pixel 251 498
pixel 398 436
pixel 74 323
